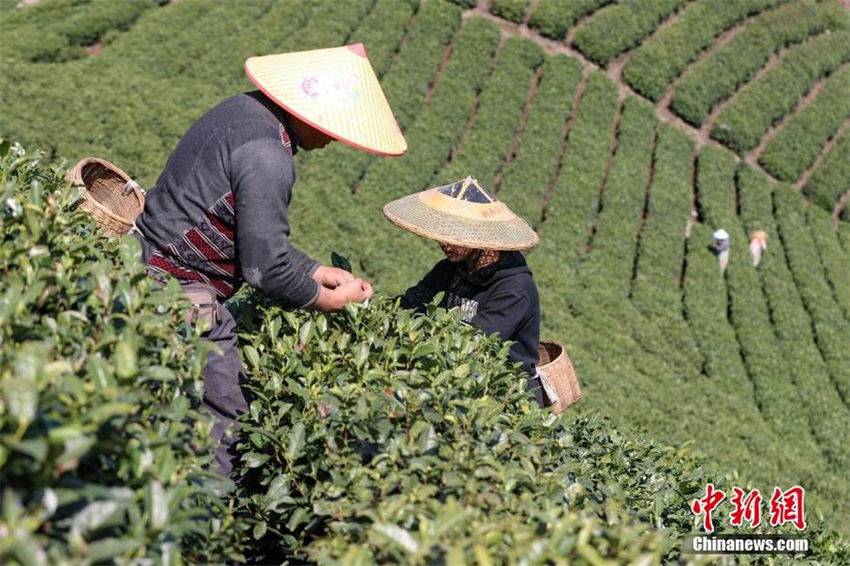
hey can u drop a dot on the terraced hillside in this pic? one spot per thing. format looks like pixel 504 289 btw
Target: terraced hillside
pixel 625 132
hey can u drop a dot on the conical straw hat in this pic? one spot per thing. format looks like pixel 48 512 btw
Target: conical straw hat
pixel 463 214
pixel 334 90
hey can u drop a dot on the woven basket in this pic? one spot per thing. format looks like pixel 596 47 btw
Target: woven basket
pixel 111 196
pixel 557 369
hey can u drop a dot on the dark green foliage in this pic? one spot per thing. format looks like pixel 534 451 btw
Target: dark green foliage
pixel 527 177
pixel 104 452
pixel 380 436
pixel 832 177
pixel 575 196
pixel 834 260
pixel 743 122
pixel 611 257
pixel 481 153
pixel 56 31
pixel 829 322
pixel 657 62
pixel 553 18
pixel 407 84
pixel 513 10
pixel 736 62
pixel 774 392
pixel 794 148
pixel 830 424
pixel 655 289
pixel 616 28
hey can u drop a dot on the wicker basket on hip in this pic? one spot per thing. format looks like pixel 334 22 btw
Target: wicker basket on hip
pixel 111 196
pixel 556 371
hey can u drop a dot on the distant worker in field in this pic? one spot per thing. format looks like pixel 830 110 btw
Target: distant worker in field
pixel 721 247
pixel 758 244
pixel 218 213
pixel 484 273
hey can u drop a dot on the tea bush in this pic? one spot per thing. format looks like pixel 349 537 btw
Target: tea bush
pixel 663 56
pixel 526 178
pixel 794 148
pixel 103 448
pixel 829 181
pixel 621 26
pixel 380 436
pixel 553 18
pixel 736 62
pixel 655 290
pixel 743 122
pixel 828 322
pixel 793 326
pixel 511 10
pixel 503 98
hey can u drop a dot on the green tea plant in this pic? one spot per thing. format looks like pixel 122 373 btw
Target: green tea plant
pixel 655 290
pixel 666 53
pixel 794 148
pixel 830 180
pixel 525 179
pixel 743 122
pixel 553 18
pixel 104 452
pixel 833 258
pixel 512 10
pixel 736 62
pixel 621 26
pixel 379 435
pixel 500 108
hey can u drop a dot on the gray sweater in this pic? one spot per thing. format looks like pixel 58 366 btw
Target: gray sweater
pixel 218 212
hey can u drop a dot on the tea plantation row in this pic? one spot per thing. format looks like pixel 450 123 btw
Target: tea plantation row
pixel 373 436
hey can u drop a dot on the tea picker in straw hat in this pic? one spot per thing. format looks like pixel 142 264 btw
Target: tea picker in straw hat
pixel 484 273
pixel 758 244
pixel 217 215
pixel 721 247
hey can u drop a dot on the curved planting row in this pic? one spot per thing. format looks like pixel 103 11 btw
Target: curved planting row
pixel 500 108
pixel 744 121
pixel 832 177
pixel 773 389
pixel 524 182
pixel 665 55
pixel 610 259
pixel 830 327
pixel 554 18
pixel 619 27
pixel 788 154
pixel 407 85
pixel 832 256
pixel 56 32
pixel 723 71
pixel 817 398
pixel 575 195
pixel 655 290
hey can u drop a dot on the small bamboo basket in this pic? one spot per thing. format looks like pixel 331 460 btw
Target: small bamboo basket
pixel 111 196
pixel 556 369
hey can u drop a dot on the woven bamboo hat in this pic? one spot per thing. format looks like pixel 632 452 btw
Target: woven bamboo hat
pixel 335 91
pixel 463 214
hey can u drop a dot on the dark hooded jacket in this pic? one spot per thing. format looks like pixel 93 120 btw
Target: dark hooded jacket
pixel 500 298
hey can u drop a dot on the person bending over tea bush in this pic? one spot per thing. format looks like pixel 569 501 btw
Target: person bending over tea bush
pixel 484 273
pixel 218 213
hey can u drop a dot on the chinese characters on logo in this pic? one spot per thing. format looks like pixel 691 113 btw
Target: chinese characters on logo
pixel 784 507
